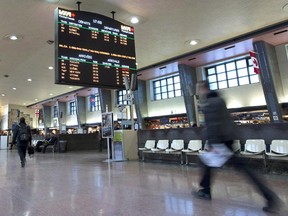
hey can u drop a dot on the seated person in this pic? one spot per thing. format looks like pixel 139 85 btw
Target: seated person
pixel 40 143
pixel 51 141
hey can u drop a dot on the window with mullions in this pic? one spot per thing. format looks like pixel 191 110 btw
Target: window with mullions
pixel 72 108
pixel 55 112
pixel 121 97
pixel 96 105
pixel 234 73
pixel 167 88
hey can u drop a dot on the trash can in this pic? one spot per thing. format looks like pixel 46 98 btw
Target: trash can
pixel 62 146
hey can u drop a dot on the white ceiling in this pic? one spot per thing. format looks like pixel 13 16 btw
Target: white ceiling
pixel 163 32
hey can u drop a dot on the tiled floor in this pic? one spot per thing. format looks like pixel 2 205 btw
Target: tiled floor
pixel 81 184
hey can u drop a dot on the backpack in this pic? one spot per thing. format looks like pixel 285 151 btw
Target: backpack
pixel 24 133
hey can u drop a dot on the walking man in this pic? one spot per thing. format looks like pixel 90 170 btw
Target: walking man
pixel 220 130
pixel 22 137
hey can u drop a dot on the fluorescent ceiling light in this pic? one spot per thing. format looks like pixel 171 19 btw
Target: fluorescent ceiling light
pixel 36 99
pixel 14 88
pixel 29 80
pixel 51 94
pixel 50 68
pixel 3 95
pixel 134 20
pixel 70 87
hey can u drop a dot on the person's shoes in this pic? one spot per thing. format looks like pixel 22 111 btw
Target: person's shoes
pixel 200 194
pixel 273 206
pixel 22 164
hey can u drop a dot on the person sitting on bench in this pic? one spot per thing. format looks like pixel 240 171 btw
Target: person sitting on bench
pixel 51 141
pixel 40 143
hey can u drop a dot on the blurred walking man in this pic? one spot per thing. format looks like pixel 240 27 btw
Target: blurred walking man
pixel 220 130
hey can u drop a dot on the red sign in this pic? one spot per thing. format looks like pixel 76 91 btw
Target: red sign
pixel 255 62
pixel 37 113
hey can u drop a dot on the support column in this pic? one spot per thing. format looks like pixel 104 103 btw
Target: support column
pixel 80 110
pixel 46 117
pixel 105 99
pixel 140 101
pixel 61 114
pixel 269 71
pixel 188 82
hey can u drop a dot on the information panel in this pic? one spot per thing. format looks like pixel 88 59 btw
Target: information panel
pixel 93 50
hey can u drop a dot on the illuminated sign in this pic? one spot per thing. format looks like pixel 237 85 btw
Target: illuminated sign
pixel 92 50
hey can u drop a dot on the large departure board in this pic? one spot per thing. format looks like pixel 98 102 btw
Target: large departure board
pixel 92 50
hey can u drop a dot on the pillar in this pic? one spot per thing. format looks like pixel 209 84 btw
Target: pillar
pixel 80 110
pixel 140 101
pixel 46 110
pixel 270 77
pixel 188 82
pixel 105 99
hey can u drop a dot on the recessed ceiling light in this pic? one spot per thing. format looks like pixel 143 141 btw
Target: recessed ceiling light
pixel 134 20
pixel 13 37
pixel 36 99
pixel 136 63
pixel 3 95
pixel 29 80
pixel 51 94
pixel 70 87
pixel 50 68
pixel 14 88
pixel 194 42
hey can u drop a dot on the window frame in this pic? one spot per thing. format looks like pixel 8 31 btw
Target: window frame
pixel 72 108
pixel 97 105
pixel 55 112
pixel 166 88
pixel 231 74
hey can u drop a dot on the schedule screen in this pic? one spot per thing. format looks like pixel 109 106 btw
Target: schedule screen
pixel 93 50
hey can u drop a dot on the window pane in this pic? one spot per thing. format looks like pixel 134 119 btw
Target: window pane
pixel 176 79
pixel 232 83
pixel 221 76
pixel 164 95
pixel 230 66
pixel 157 90
pixel 171 94
pixel 156 84
pixel 170 87
pixel 163 82
pixel 243 81
pixel 213 86
pixel 220 68
pixel 254 79
pixel 178 93
pixel 157 97
pixel 212 78
pixel 251 71
pixel 223 84
pixel 177 86
pixel 231 74
pixel 120 98
pixel 250 61
pixel 170 80
pixel 211 71
pixel 241 63
pixel 164 88
pixel 242 72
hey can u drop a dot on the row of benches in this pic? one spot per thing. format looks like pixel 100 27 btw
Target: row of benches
pixel 252 148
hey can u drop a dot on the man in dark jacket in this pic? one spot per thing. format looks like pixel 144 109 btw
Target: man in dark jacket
pixel 22 137
pixel 220 130
pixel 51 141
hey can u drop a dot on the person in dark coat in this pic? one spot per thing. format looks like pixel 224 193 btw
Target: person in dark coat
pixel 220 130
pixel 51 141
pixel 22 144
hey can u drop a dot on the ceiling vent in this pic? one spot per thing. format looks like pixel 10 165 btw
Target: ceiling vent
pixel 50 42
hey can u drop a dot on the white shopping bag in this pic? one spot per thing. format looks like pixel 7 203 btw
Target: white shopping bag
pixel 217 156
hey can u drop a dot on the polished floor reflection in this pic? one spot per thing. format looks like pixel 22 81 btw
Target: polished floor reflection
pixel 81 184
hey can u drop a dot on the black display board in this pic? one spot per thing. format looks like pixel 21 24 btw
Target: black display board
pixel 92 50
